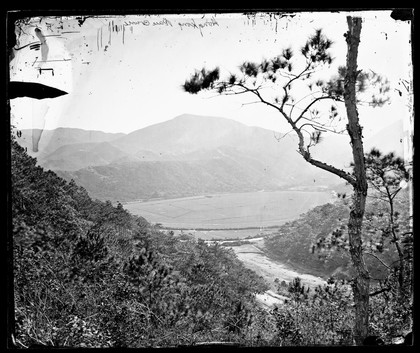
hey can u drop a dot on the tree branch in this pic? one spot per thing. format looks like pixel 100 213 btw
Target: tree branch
pixel 309 105
pixel 300 75
pixel 377 258
pixel 258 94
pixel 321 127
pixel 306 155
pixel 329 168
pixel 286 87
pixel 282 137
pixel 387 289
pixel 314 126
pixel 300 100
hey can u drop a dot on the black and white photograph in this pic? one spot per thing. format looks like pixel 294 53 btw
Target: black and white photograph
pixel 210 178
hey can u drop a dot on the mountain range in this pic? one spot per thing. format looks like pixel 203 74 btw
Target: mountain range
pixel 190 155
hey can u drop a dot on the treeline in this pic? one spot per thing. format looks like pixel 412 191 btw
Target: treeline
pixel 90 274
pixel 317 242
pixel 293 242
pixel 130 181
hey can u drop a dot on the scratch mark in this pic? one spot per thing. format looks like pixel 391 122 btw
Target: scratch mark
pixel 109 30
pixel 49 25
pixel 55 60
pixel 44 46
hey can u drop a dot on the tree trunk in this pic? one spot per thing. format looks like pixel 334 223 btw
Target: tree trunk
pixel 362 280
pixel 401 270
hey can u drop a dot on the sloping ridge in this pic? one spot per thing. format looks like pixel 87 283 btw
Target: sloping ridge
pixel 191 155
pixel 80 155
pixel 187 133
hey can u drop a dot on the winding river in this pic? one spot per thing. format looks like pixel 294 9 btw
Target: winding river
pixel 253 257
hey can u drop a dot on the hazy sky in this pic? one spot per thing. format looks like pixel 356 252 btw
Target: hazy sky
pixel 125 72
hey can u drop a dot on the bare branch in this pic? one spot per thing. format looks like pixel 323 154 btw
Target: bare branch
pixel 376 197
pixel 286 74
pixel 322 127
pixel 310 105
pixel 258 94
pixel 304 130
pixel 377 258
pixel 300 100
pixel 304 71
pixel 286 87
pixel 386 289
pixel 282 137
pixel 305 153
pixel 314 126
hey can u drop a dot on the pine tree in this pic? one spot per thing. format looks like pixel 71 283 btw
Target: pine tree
pixel 303 116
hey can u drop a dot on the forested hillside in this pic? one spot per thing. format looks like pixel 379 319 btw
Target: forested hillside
pixel 88 274
pixel 294 240
pixel 169 179
pixel 316 242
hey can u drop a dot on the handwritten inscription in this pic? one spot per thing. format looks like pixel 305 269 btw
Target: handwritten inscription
pixel 200 25
pixel 164 22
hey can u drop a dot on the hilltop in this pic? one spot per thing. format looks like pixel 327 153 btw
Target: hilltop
pixel 191 155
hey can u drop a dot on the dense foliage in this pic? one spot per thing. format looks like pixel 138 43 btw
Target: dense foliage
pixel 323 316
pixel 317 243
pixel 89 274
pixel 297 240
pixel 166 179
pixel 321 232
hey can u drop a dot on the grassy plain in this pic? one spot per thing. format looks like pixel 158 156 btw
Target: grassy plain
pixel 224 234
pixel 257 210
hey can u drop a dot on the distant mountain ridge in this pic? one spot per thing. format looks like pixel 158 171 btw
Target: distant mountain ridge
pixel 51 140
pixel 184 134
pixel 184 156
pixel 80 155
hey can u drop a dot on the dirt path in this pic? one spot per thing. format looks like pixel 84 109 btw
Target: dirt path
pixel 253 257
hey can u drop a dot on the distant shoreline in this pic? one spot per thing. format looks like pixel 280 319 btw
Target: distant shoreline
pixel 291 188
